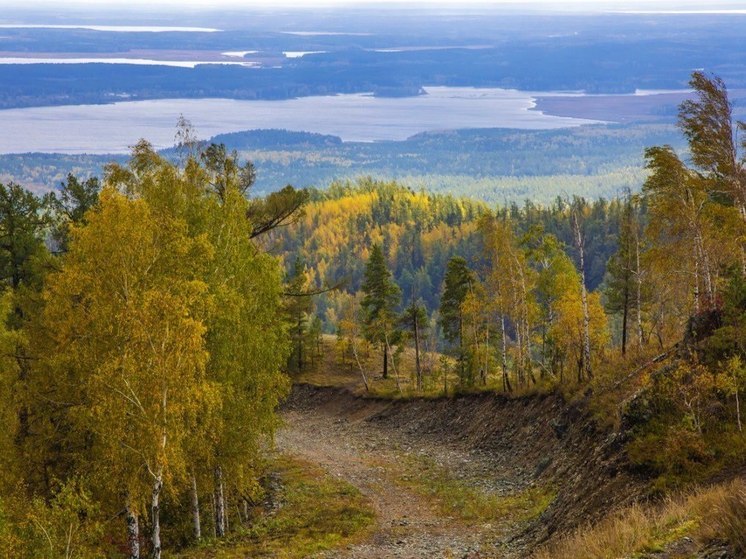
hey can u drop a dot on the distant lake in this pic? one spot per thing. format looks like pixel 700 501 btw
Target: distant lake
pixel 114 28
pixel 113 128
pixel 135 61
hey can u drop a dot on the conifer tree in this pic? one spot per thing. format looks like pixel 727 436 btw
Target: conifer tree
pixel 70 204
pixel 379 304
pixel 298 305
pixel 23 222
pixel 456 285
pixel 623 287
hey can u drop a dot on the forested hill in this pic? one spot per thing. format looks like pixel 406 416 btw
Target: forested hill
pixel 419 233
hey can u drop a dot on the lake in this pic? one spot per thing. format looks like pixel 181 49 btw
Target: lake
pixel 113 128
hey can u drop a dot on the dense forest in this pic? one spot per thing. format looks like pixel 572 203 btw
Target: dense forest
pixel 419 233
pixel 151 318
pixel 494 165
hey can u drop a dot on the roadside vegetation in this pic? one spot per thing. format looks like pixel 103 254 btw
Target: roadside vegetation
pixel 709 515
pixel 306 511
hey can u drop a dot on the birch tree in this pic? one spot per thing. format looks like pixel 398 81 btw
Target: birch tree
pixel 124 312
pixel 585 369
pixel 708 124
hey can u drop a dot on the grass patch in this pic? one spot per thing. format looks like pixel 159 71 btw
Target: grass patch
pixel 458 498
pixel 336 366
pixel 716 513
pixel 318 513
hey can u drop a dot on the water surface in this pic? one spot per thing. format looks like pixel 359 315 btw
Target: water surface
pixel 113 128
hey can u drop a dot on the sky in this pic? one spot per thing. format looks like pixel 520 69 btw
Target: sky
pixel 553 4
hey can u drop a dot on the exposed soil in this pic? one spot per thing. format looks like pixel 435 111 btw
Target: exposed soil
pixel 492 443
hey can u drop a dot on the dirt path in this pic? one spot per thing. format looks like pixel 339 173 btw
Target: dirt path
pixel 410 525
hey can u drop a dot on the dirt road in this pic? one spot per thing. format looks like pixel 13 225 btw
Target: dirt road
pixel 410 524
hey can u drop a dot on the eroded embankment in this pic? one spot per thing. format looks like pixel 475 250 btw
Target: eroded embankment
pixel 504 445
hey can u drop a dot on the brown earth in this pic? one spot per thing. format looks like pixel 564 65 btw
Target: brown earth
pixel 494 444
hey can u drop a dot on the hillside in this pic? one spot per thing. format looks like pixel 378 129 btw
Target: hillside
pixel 497 166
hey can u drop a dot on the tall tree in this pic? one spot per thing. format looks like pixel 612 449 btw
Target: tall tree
pixel 246 329
pixel 70 204
pixel 224 170
pixel 623 286
pixel 680 224
pixel 248 345
pixel 556 278
pixel 585 370
pixel 379 304
pixel 707 122
pixel 510 283
pixel 23 222
pixel 298 305
pixel 415 320
pixel 456 286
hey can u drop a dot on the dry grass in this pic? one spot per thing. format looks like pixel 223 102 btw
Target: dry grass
pixel 726 519
pixel 715 513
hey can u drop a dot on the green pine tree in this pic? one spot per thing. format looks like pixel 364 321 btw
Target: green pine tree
pixel 382 296
pixel 456 285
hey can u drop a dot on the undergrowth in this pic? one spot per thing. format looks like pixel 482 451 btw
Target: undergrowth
pixel 716 513
pixel 318 513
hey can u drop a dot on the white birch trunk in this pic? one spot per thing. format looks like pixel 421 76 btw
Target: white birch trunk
pixel 504 356
pixel 155 514
pixel 196 524
pixel 584 301
pixel 133 532
pixel 219 503
pixel 638 282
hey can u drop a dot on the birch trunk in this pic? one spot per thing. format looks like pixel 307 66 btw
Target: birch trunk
pixel 393 364
pixel 519 347
pixel 418 368
pixel 359 365
pixel 525 322
pixel 219 503
pixel 704 265
pixel 625 313
pixel 155 513
pixel 133 532
pixel 586 368
pixel 196 524
pixel 504 363
pixel 638 282
pixel 696 281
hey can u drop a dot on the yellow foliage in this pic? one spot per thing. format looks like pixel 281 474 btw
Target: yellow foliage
pixel 124 315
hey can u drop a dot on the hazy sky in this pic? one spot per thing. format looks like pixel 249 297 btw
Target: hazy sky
pixel 556 4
